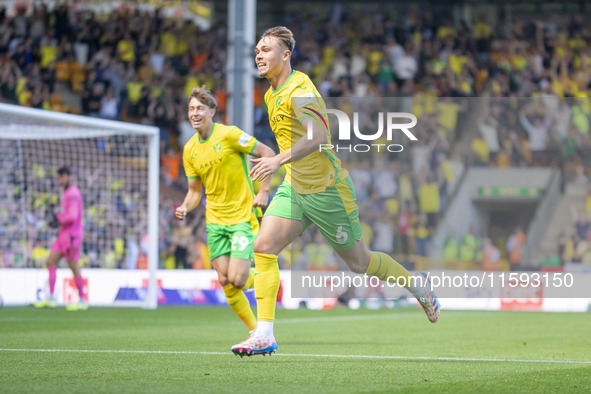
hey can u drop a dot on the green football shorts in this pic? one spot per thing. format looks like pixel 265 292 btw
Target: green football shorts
pixel 234 240
pixel 334 211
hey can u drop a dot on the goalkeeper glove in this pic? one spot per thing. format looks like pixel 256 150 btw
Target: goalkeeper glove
pixel 54 222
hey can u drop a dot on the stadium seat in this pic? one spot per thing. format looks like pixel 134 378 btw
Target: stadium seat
pixel 497 57
pixel 481 79
pixel 78 76
pixel 63 71
pixel 57 103
pixel 198 60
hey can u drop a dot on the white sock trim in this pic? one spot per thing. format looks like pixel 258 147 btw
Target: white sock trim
pixel 265 329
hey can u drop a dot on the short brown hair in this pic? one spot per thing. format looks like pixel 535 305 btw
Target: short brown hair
pixel 204 95
pixel 283 34
pixel 64 170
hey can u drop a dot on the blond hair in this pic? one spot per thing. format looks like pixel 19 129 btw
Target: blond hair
pixel 204 96
pixel 283 34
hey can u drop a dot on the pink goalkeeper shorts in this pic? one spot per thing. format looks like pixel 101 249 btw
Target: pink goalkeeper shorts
pixel 68 246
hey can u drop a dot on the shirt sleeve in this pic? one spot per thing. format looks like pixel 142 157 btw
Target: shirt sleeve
pixel 71 208
pixel 527 125
pixel 240 141
pixel 305 106
pixel 189 169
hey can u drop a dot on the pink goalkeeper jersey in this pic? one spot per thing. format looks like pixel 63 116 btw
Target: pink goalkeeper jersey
pixel 71 215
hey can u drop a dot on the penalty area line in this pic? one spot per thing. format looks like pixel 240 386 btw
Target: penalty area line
pixel 408 358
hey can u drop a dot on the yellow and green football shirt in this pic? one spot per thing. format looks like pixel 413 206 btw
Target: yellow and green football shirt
pixel 221 163
pixel 320 169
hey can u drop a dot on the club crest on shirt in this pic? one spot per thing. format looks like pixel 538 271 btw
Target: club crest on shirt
pixel 217 147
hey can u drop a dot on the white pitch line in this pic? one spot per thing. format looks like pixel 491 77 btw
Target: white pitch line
pixel 371 317
pixel 279 320
pixel 348 318
pixel 112 351
pixel 426 358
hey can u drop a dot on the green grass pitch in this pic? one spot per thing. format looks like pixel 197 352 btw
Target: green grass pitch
pixel 116 350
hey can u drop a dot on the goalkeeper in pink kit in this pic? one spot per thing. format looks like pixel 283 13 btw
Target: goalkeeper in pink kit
pixel 69 240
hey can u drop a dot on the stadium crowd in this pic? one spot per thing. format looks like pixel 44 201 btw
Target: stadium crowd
pixel 138 66
pixel 575 240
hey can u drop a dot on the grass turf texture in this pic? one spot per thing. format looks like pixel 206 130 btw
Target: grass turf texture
pixel 194 331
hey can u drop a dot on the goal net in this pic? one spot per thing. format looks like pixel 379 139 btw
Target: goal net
pixel 114 164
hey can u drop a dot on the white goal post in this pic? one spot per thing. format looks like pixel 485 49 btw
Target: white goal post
pixel 119 167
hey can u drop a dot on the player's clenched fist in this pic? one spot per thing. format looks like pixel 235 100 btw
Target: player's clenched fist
pixel 181 212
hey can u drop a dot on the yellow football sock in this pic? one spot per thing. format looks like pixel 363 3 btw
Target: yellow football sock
pixel 239 303
pixel 266 285
pixel 250 281
pixel 385 267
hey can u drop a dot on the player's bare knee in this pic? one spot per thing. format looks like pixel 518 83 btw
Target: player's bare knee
pixel 234 279
pixel 238 282
pixel 261 245
pixel 223 279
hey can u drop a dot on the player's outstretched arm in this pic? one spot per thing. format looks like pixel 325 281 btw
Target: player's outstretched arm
pixel 192 199
pixel 305 145
pixel 268 165
pixel 261 151
pixel 71 212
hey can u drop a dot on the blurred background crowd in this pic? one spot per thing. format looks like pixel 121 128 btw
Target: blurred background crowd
pixel 139 66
